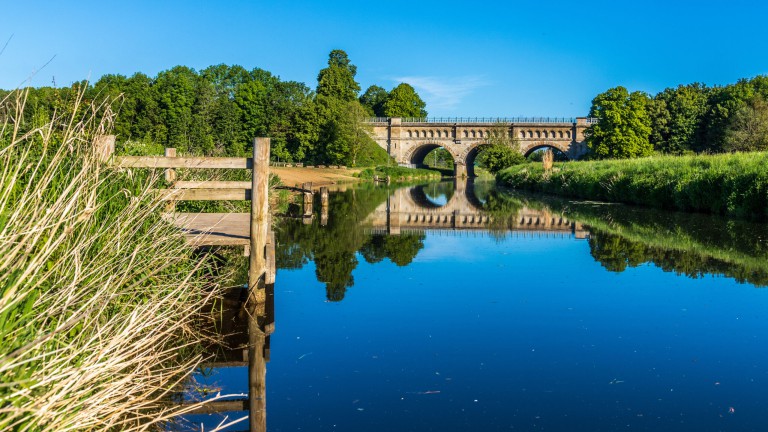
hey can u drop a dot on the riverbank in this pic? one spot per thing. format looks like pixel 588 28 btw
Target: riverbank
pixel 734 185
pixel 296 176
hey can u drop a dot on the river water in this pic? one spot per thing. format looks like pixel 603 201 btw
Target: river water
pixel 456 306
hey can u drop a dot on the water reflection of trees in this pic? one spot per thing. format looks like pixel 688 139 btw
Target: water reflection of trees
pixel 333 247
pixel 617 253
pixel 684 243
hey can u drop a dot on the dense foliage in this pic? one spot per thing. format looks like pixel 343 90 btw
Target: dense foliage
pixel 220 109
pixel 732 184
pixel 686 119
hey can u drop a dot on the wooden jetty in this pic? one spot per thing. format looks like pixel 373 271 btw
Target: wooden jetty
pixel 251 230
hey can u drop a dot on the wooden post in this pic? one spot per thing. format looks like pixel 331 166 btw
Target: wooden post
pixel 170 178
pixel 324 206
pixel 170 173
pixel 259 220
pixel 308 197
pixel 104 146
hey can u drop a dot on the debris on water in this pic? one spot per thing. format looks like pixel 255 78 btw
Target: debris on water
pixel 731 410
pixel 304 355
pixel 361 409
pixel 717 383
pixel 426 392
pixel 616 381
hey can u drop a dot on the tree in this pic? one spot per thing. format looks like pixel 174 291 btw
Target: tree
pixel 337 81
pixel 684 108
pixel 623 127
pixel 503 151
pixel 748 130
pixel 373 100
pixel 403 101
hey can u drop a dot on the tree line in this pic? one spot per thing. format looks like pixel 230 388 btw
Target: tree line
pixel 220 109
pixel 691 118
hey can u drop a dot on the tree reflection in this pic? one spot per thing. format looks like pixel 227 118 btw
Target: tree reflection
pixel 400 249
pixel 333 248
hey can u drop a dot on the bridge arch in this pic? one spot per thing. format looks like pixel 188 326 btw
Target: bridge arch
pixel 528 149
pixel 419 152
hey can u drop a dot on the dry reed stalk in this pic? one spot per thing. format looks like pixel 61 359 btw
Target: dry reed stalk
pixel 98 295
pixel 548 160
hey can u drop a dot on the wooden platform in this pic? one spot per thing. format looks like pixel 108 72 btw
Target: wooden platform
pixel 213 229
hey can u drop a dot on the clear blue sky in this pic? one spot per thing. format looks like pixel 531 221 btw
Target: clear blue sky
pixel 536 58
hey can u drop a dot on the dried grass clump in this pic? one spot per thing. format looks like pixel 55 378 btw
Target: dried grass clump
pixel 97 295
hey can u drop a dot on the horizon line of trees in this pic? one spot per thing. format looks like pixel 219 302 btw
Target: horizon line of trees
pixel 686 119
pixel 220 109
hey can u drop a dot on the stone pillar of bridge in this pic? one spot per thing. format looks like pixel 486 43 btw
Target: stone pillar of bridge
pixel 394 146
pixel 460 169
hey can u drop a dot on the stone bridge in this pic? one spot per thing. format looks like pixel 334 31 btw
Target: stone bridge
pixel 410 140
pixel 409 209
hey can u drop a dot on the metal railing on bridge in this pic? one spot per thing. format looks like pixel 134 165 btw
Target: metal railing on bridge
pixel 487 120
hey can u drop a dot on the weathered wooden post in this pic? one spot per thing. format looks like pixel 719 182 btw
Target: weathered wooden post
pixel 257 274
pixel 170 178
pixel 170 173
pixel 308 198
pixel 259 218
pixel 324 206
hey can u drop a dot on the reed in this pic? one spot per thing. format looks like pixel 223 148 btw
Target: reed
pixel 735 184
pixel 98 296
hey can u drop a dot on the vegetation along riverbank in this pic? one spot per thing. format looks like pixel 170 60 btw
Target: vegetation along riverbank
pixel 728 184
pixel 98 296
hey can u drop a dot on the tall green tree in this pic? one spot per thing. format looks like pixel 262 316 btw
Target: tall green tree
pixel 373 100
pixel 623 127
pixel 337 81
pixel 336 90
pixel 403 101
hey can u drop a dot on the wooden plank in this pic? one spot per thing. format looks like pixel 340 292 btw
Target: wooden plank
pixel 212 229
pixel 212 185
pixel 204 194
pixel 221 406
pixel 183 162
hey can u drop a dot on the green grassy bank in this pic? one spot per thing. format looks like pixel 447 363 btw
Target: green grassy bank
pixel 397 173
pixel 731 184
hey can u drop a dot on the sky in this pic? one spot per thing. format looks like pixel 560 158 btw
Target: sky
pixel 493 59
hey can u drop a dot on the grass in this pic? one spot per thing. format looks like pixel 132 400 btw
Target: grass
pixel 398 173
pixel 98 296
pixel 734 185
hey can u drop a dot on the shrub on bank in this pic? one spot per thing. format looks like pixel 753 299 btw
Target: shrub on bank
pixel 729 184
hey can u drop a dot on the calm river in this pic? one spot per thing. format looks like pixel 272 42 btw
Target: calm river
pixel 457 307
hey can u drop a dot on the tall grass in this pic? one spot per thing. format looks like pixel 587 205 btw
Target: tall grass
pixel 731 184
pixel 97 295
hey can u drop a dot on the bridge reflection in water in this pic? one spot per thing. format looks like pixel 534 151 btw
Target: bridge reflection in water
pixel 410 210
